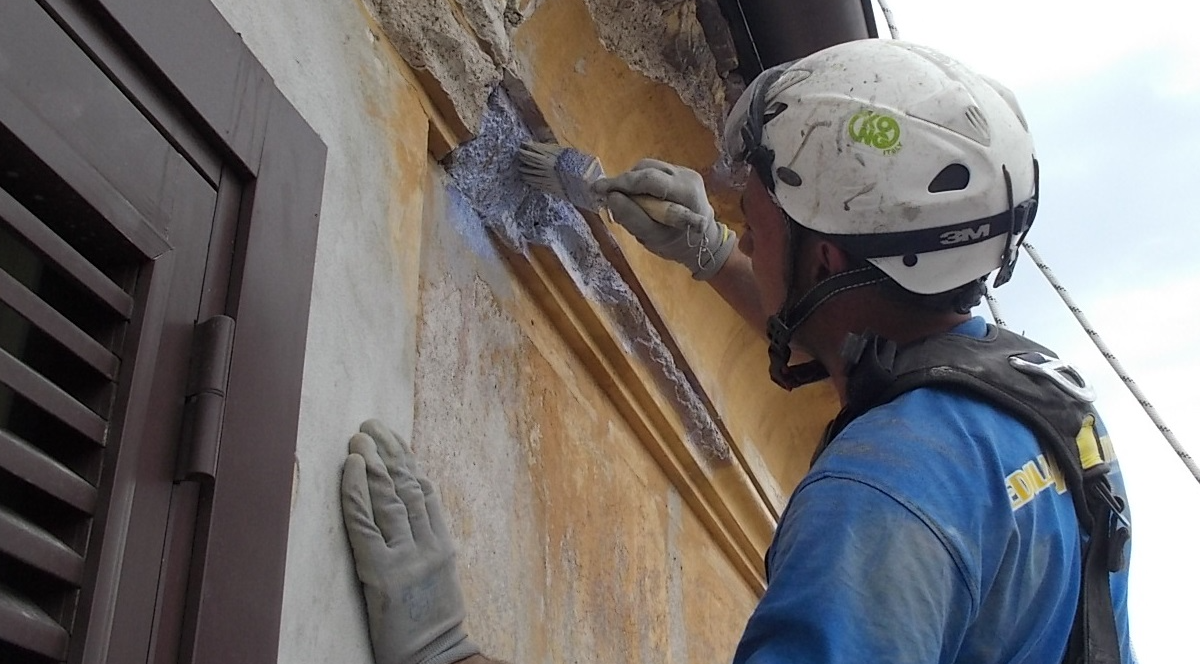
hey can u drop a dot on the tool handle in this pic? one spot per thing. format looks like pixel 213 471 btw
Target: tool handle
pixel 655 208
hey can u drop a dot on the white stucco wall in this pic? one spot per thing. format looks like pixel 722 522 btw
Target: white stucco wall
pixel 361 353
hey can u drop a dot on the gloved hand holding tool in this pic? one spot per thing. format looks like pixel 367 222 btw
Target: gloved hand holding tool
pixel 403 551
pixel 663 205
pixel 688 233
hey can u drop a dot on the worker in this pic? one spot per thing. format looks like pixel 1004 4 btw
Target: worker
pixel 965 504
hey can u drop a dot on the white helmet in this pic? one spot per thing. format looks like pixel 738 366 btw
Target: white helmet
pixel 899 154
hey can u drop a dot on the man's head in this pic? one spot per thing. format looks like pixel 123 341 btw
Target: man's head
pixel 892 166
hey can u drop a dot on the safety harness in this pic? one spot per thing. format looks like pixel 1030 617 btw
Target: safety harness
pixel 1048 396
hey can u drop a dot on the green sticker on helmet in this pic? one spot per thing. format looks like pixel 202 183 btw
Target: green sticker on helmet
pixel 878 130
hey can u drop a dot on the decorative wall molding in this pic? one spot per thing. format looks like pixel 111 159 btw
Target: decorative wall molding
pixel 724 495
pixel 737 499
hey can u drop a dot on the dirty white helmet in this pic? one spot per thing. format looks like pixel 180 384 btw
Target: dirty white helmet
pixel 899 154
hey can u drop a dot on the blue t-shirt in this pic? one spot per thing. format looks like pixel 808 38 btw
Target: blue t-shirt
pixel 931 530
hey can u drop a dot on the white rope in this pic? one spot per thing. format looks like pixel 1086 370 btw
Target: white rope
pixel 993 306
pixel 1112 360
pixel 887 16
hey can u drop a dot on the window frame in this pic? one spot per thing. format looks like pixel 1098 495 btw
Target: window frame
pixel 197 79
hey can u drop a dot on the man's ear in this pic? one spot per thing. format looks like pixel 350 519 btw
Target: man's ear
pixel 830 259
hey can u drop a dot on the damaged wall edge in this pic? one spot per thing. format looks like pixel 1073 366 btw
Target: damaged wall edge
pixel 434 42
pixel 457 50
pixel 555 252
pixel 485 172
pixel 683 44
pixel 447 129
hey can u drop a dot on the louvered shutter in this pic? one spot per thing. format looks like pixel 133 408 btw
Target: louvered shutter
pixel 104 237
pixel 130 134
pixel 60 317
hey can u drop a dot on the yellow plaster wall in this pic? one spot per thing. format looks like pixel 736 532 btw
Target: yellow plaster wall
pixel 593 101
pixel 575 544
pixel 573 541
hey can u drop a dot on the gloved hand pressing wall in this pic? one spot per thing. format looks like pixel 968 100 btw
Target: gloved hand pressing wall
pixel 691 235
pixel 403 551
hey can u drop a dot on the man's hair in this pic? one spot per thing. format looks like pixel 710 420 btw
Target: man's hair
pixel 959 300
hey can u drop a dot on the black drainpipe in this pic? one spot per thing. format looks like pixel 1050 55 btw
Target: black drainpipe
pixel 768 32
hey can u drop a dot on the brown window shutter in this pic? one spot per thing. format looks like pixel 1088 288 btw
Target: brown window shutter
pixel 59 317
pixel 126 157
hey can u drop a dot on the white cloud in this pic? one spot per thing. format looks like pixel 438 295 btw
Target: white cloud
pixel 1035 43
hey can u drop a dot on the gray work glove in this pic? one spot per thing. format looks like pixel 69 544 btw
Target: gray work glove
pixel 403 552
pixel 686 232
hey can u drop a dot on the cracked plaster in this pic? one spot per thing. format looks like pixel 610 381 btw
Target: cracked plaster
pixel 432 39
pixel 464 45
pixel 669 42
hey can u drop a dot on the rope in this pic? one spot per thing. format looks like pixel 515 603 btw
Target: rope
pixel 887 16
pixel 1112 360
pixel 993 306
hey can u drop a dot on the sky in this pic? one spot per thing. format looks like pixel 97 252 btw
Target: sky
pixel 1113 101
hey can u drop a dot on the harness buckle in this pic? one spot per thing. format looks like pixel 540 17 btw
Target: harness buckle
pixel 1063 375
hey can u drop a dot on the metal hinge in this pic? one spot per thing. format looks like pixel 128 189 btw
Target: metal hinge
pixel 204 402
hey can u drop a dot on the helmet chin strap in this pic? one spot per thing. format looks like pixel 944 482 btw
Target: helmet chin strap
pixel 781 327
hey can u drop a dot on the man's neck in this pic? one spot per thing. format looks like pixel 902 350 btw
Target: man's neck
pixel 902 327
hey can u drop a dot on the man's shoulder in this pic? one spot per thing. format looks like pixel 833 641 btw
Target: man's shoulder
pixel 929 446
pixel 928 421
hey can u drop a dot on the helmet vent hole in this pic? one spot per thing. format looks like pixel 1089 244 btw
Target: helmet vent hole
pixel 774 111
pixel 954 177
pixel 910 260
pixel 788 176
